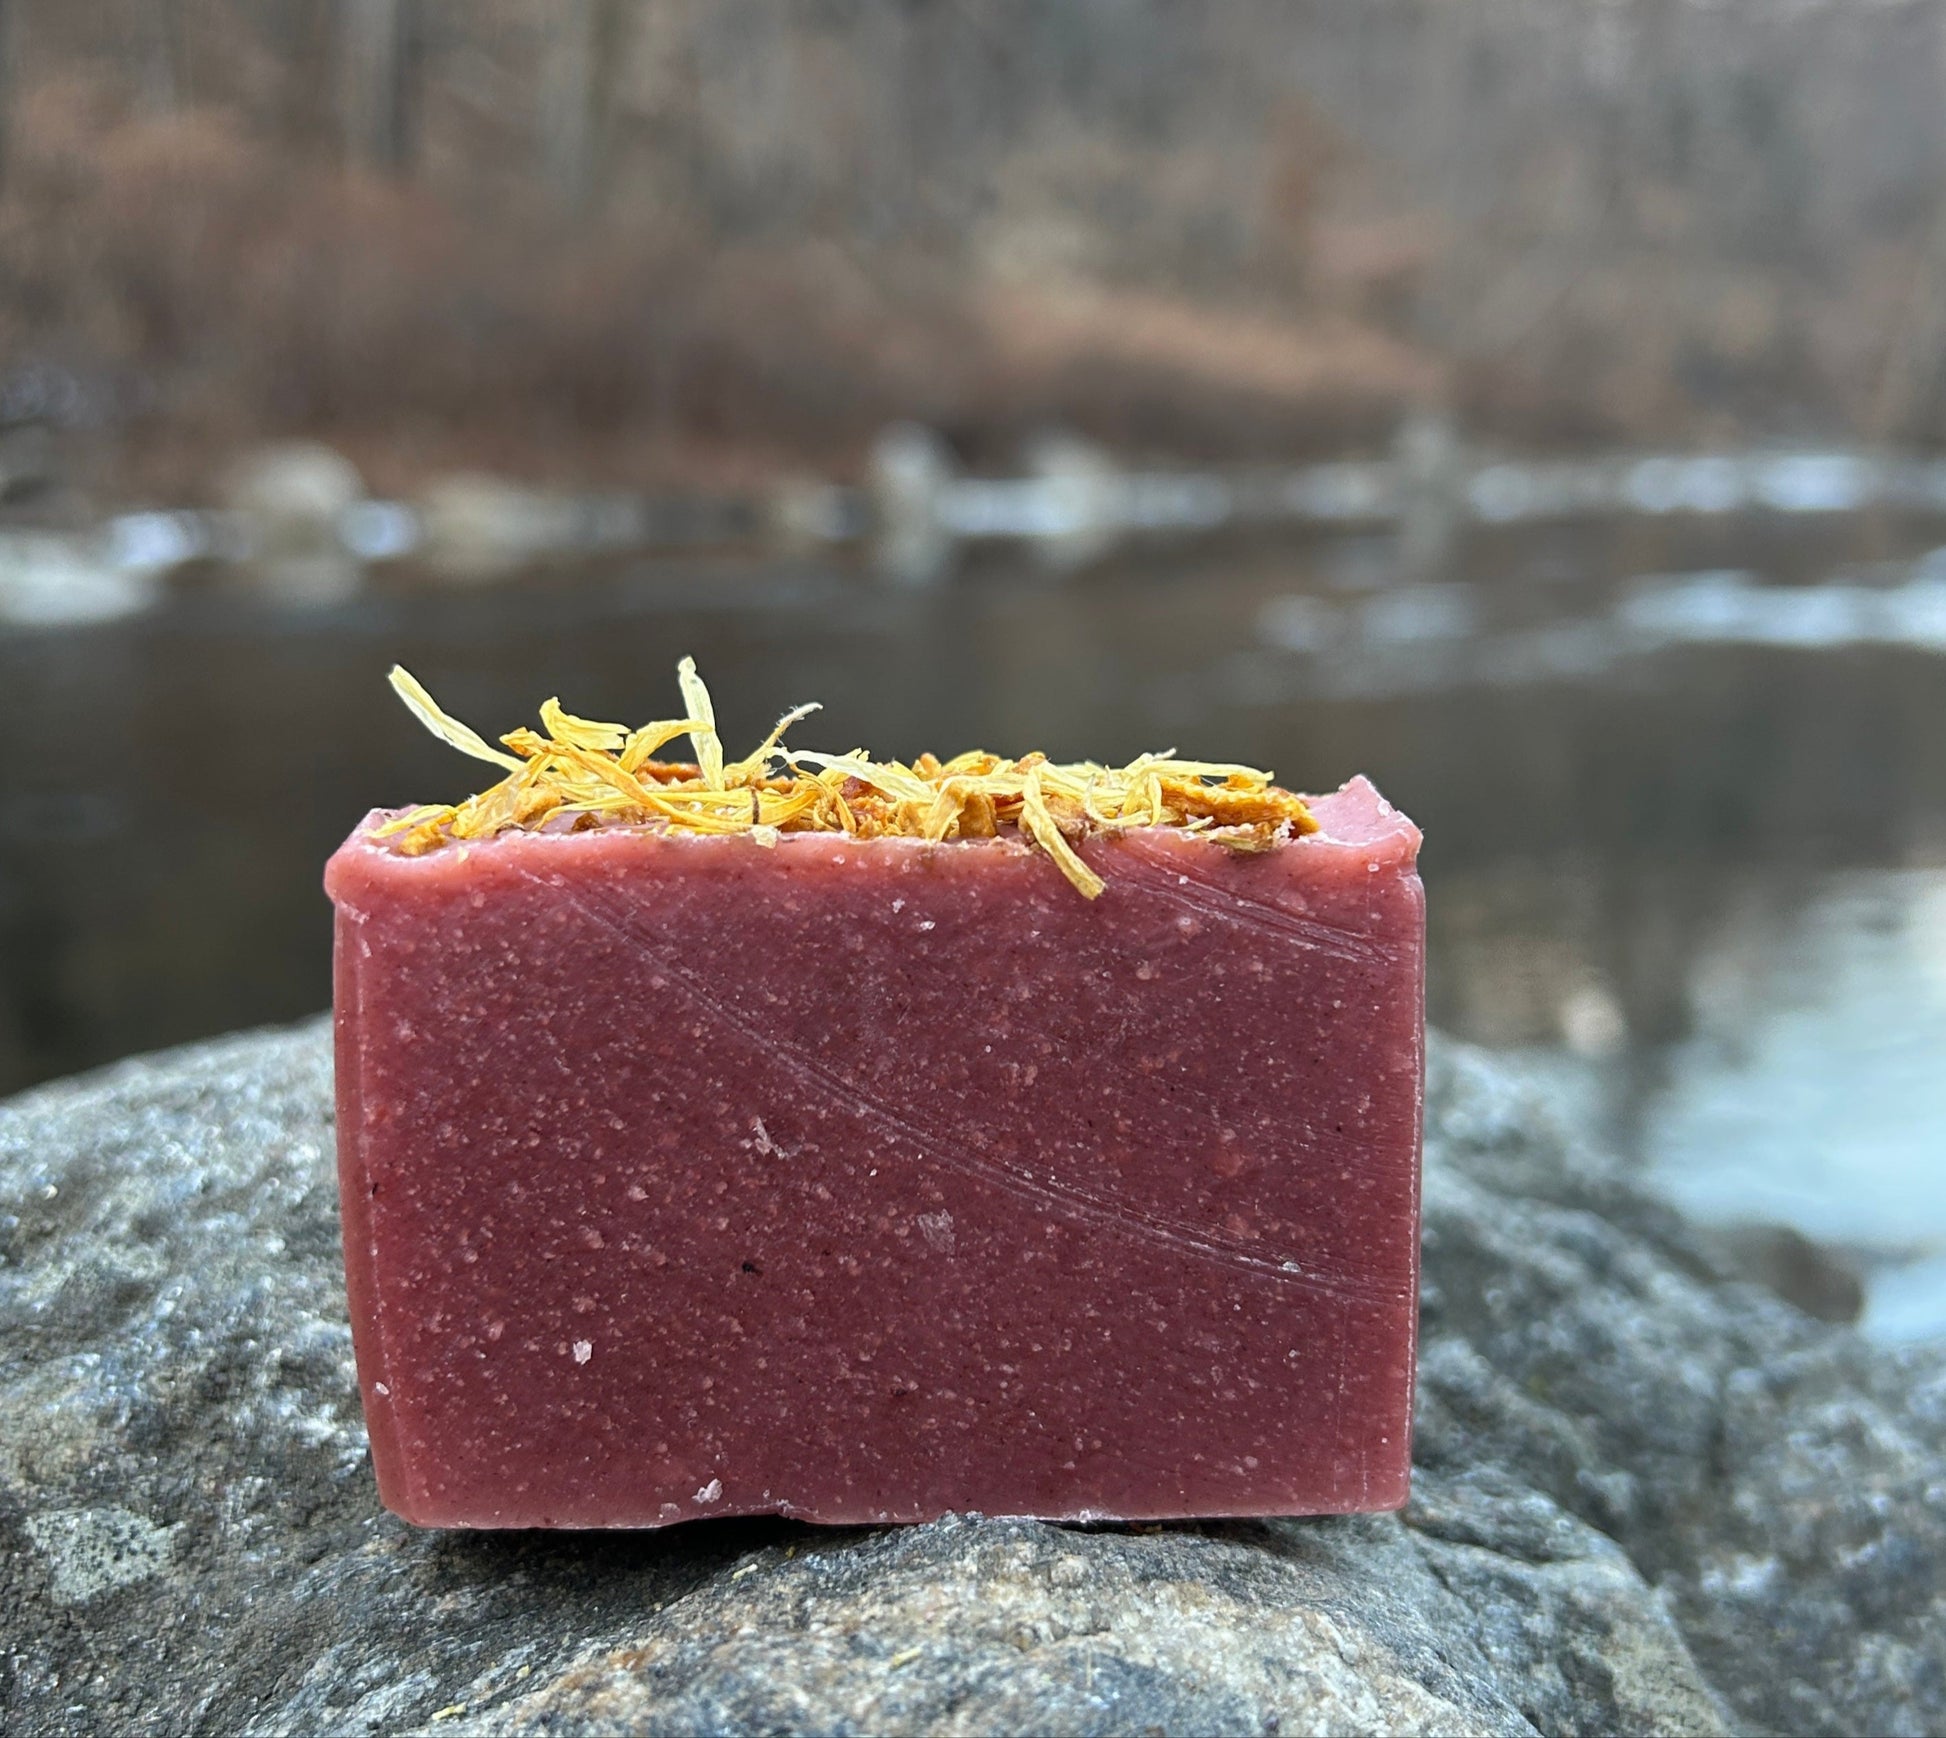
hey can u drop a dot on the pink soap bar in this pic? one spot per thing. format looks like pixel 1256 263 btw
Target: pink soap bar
pixel 867 1181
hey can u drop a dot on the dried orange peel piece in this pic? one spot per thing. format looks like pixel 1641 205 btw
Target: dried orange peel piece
pixel 599 773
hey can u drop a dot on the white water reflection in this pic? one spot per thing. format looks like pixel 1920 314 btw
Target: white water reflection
pixel 51 582
pixel 1732 608
pixel 1813 1093
pixel 1415 638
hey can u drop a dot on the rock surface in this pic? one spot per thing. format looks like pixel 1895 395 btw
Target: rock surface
pixel 1646 1500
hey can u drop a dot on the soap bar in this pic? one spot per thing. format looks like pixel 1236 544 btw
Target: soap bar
pixel 865 1179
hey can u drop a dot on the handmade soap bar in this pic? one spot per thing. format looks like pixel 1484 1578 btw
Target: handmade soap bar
pixel 864 1178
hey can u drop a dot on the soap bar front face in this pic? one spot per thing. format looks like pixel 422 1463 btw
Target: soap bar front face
pixel 867 1181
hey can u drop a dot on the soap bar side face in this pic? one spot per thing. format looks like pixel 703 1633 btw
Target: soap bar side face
pixel 866 1181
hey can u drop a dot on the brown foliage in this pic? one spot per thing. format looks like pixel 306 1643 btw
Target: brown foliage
pixel 238 283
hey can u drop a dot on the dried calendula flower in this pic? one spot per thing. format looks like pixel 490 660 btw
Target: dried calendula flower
pixel 581 767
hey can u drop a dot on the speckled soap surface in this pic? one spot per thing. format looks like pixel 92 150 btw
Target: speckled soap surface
pixel 876 1180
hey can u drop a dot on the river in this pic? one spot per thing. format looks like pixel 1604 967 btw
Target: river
pixel 1683 784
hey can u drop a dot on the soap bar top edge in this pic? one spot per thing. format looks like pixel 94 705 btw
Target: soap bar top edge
pixel 1353 818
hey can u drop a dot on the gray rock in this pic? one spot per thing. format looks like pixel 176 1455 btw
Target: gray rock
pixel 1648 1500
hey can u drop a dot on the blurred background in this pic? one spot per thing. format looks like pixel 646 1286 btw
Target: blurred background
pixel 1535 404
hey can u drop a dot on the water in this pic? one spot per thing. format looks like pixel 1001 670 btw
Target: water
pixel 1683 784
